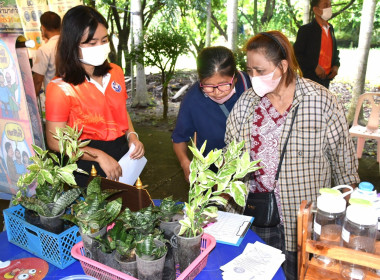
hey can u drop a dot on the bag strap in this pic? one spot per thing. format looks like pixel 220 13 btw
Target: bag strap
pixel 244 80
pixel 286 143
pixel 224 109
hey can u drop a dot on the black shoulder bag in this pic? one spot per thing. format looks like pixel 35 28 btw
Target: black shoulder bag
pixel 263 206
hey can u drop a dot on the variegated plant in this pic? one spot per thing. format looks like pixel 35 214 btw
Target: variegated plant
pixel 95 211
pixel 208 187
pixel 51 174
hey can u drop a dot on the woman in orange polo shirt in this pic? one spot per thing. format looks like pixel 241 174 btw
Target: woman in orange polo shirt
pixel 90 93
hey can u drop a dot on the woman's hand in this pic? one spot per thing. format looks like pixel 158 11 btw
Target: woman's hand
pixel 109 165
pixel 139 151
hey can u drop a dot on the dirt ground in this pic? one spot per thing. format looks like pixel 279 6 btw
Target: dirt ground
pixel 163 174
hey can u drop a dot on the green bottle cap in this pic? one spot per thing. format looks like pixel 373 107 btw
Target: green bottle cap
pixel 329 191
pixel 359 201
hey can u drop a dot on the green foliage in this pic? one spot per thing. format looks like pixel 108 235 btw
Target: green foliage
pixel 208 187
pixel 162 47
pixel 147 248
pixel 168 208
pixel 94 212
pixel 51 174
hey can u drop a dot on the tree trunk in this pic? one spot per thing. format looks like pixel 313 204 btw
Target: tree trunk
pixel 306 11
pixel 208 24
pixel 232 6
pixel 141 99
pixel 366 28
pixel 255 27
pixel 165 98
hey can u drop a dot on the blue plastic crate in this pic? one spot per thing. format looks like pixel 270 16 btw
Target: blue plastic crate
pixel 53 248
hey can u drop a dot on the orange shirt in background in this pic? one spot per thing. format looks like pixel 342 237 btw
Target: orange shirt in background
pixel 325 54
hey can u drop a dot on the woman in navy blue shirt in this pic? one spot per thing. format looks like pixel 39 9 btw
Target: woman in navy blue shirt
pixel 206 106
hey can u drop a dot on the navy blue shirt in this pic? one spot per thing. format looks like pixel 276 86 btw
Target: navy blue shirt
pixel 198 113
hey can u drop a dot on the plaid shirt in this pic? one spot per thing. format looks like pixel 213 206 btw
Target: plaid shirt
pixel 319 148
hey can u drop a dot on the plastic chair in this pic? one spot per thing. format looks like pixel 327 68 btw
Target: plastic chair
pixel 310 269
pixel 371 130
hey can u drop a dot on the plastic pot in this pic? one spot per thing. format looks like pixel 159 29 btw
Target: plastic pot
pixel 188 248
pixel 151 270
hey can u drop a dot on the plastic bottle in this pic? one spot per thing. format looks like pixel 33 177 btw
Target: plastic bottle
pixel 328 221
pixel 366 191
pixel 359 233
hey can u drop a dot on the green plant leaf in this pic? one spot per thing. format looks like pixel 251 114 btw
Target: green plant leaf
pixel 218 199
pixel 65 200
pixel 37 149
pixel 47 176
pixel 211 211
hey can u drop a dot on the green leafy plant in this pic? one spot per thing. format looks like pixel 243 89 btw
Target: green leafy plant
pixel 169 208
pixel 94 212
pixel 147 248
pixel 208 187
pixel 52 173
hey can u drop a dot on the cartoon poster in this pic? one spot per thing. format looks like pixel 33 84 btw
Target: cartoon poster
pixel 16 131
pixel 30 12
pixel 10 21
pixel 62 6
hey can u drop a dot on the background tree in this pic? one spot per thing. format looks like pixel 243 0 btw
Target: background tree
pixel 162 49
pixel 232 18
pixel 141 98
pixel 366 28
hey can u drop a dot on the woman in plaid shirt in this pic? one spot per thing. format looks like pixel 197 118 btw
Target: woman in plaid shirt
pixel 319 149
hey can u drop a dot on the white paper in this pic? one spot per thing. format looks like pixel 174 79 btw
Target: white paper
pixel 258 261
pixel 131 168
pixel 229 227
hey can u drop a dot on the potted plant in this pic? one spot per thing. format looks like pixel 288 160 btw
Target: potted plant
pixel 169 214
pixel 52 174
pixel 150 257
pixel 93 214
pixel 208 187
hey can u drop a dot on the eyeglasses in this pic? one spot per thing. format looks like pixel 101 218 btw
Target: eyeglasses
pixel 221 87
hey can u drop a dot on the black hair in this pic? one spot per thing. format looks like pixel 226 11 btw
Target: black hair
pixel 314 3
pixel 7 146
pixel 51 21
pixel 214 60
pixel 74 24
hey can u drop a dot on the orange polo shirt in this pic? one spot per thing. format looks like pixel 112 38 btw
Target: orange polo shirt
pixel 102 116
pixel 325 54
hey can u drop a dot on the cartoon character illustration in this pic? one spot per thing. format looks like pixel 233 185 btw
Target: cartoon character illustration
pixel 20 274
pixel 22 269
pixel 13 90
pixel 4 98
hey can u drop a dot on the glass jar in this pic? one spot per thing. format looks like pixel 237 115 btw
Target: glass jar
pixel 358 233
pixel 328 221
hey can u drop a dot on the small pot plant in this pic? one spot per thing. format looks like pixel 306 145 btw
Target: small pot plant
pixel 208 188
pixel 52 174
pixel 151 251
pixel 93 214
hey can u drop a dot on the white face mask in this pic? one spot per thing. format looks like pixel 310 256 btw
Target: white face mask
pixel 326 14
pixel 95 55
pixel 264 84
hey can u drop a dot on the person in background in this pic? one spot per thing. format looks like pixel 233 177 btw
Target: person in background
pixel 315 47
pixel 44 65
pixel 90 93
pixel 205 107
pixel 20 167
pixel 12 172
pixel 319 147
